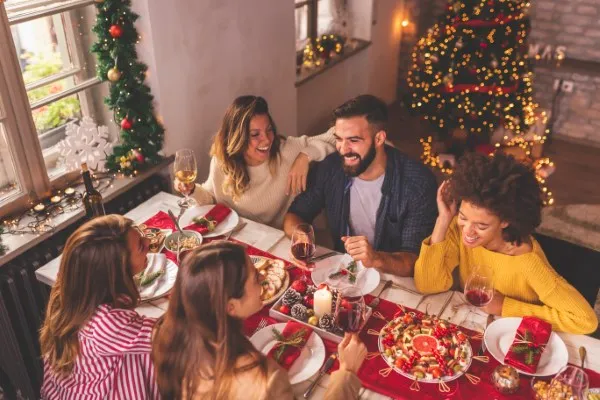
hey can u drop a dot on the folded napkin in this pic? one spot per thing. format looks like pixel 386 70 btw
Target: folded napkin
pixel 346 275
pixel 209 222
pixel 160 220
pixel 290 343
pixel 151 278
pixel 529 344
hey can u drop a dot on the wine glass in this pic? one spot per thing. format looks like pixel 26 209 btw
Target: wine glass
pixel 350 309
pixel 186 172
pixel 303 246
pixel 571 383
pixel 479 289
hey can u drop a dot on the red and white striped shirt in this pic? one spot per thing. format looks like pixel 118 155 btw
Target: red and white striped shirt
pixel 113 361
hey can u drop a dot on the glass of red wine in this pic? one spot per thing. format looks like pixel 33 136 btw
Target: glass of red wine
pixel 303 246
pixel 479 289
pixel 350 309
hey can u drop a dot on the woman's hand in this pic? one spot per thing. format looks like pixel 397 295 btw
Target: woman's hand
pixel 446 206
pixel 184 188
pixel 494 307
pixel 351 353
pixel 297 176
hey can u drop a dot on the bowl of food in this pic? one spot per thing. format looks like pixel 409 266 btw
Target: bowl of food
pixel 189 240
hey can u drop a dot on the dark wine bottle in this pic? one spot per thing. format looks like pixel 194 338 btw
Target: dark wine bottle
pixel 92 199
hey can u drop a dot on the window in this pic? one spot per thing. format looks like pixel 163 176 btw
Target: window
pixel 47 79
pixel 314 18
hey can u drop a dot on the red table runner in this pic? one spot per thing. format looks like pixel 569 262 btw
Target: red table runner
pixel 395 385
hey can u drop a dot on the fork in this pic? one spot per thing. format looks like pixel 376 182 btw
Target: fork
pixel 262 324
pixel 235 230
pixel 375 302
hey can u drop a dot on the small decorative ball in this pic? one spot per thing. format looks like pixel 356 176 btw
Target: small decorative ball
pixel 326 322
pixel 494 63
pixel 115 31
pixel 483 45
pixel 284 310
pixel 299 286
pixel 309 301
pixel 113 74
pixel 506 379
pixel 434 58
pixel 310 312
pixel 125 124
pixel 313 320
pixel 459 44
pixel 298 311
pixel 291 297
pixel 139 157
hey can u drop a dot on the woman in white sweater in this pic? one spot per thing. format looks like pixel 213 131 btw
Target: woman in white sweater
pixel 253 170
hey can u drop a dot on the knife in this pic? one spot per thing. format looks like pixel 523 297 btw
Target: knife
pixel 324 256
pixel 326 367
pixel 490 319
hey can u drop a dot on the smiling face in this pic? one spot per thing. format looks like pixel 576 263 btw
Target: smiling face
pixel 479 227
pixel 260 141
pixel 356 144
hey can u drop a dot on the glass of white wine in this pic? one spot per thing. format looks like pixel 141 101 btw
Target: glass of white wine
pixel 186 173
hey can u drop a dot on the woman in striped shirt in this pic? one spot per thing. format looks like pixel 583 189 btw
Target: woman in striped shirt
pixel 200 351
pixel 94 345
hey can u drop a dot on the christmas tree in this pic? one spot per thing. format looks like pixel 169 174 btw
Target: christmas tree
pixel 130 98
pixel 471 75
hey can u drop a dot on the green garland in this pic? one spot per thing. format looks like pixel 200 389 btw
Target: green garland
pixel 130 99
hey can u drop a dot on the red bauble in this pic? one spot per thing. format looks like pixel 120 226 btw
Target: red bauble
pixel 284 309
pixel 125 124
pixel 139 157
pixel 309 301
pixel 299 286
pixel 115 31
pixel 483 45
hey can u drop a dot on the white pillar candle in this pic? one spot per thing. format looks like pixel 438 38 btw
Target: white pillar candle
pixel 322 302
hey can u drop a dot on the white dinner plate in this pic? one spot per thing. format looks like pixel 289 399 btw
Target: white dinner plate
pixel 311 358
pixel 167 281
pixel 230 222
pixel 367 278
pixel 500 335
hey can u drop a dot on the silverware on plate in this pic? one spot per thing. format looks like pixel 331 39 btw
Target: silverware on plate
pixel 326 367
pixel 235 230
pixel 375 302
pixel 324 256
pixel 582 355
pixel 490 319
pixel 176 222
pixel 262 324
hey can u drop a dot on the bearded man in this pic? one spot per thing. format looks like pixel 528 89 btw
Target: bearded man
pixel 380 204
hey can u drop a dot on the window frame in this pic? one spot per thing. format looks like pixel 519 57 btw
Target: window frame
pixel 21 134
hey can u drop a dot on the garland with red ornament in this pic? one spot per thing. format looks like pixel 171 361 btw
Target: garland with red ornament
pixel 130 100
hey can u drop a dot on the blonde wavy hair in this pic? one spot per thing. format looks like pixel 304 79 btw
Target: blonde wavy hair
pixel 231 142
pixel 94 270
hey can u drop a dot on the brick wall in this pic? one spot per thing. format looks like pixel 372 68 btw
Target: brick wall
pixel 574 24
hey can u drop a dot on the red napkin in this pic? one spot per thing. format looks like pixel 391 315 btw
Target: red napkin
pixel 529 344
pixel 293 330
pixel 216 214
pixel 160 220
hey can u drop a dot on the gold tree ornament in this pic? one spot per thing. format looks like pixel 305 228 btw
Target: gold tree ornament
pixel 113 74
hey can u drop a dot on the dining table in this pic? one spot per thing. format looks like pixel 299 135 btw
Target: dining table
pixel 450 305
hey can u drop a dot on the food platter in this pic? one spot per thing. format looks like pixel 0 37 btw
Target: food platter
pixel 425 348
pixel 275 278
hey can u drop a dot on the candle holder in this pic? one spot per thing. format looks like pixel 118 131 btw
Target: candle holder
pixel 506 379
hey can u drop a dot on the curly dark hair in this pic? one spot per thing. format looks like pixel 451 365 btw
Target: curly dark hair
pixel 503 186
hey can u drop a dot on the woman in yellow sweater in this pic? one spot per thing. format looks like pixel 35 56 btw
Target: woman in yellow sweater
pixel 500 207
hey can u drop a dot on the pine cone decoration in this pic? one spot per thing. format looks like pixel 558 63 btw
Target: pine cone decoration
pixel 326 322
pixel 291 297
pixel 299 312
pixel 310 291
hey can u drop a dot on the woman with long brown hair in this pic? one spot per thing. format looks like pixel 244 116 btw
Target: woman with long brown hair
pixel 254 170
pixel 200 351
pixel 94 345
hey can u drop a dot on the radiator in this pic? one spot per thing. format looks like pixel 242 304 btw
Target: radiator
pixel 23 300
